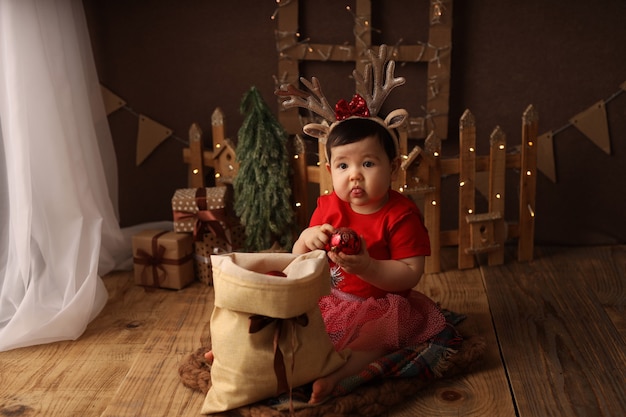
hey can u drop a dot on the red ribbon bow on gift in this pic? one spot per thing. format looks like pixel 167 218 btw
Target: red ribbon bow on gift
pixel 205 219
pixel 257 323
pixel 356 107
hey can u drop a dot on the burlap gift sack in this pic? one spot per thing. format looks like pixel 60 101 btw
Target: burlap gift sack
pixel 253 310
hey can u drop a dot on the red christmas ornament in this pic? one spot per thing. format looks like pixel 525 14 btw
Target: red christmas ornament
pixel 345 240
pixel 276 273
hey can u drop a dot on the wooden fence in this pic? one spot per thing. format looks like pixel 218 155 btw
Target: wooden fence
pixel 421 176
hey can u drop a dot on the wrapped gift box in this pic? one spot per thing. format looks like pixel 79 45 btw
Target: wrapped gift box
pixel 163 259
pixel 203 249
pixel 207 213
pixel 194 206
pixel 210 244
pixel 238 237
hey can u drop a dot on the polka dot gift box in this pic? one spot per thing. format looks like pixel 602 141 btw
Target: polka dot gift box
pixel 207 214
pixel 193 206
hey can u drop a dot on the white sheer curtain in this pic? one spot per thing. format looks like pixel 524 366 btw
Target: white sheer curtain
pixel 58 184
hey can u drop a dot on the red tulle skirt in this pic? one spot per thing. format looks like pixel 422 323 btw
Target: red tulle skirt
pixel 391 322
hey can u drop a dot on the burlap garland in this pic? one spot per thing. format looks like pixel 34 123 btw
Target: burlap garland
pixel 370 400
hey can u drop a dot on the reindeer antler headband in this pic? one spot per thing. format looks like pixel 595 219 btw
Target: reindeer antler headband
pixel 372 89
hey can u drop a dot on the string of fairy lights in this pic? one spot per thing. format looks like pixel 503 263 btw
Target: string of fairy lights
pixel 289 46
pixel 300 49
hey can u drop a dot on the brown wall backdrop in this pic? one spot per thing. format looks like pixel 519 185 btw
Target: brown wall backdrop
pixel 176 61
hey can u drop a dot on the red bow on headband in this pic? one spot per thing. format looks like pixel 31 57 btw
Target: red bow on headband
pixel 356 107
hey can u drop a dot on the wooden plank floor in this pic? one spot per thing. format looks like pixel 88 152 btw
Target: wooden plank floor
pixel 560 324
pixel 555 329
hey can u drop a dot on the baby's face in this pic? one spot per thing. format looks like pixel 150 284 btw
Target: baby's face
pixel 361 174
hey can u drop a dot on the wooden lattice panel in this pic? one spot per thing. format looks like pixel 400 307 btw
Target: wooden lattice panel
pixel 435 52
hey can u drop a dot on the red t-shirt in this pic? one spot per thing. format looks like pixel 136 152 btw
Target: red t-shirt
pixel 396 231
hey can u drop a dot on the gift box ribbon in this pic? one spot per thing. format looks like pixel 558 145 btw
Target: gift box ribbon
pixel 259 322
pixel 205 219
pixel 156 260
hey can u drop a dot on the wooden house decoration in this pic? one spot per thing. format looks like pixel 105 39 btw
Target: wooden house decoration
pixel 224 162
pixel 222 158
pixel 420 178
pixel 414 176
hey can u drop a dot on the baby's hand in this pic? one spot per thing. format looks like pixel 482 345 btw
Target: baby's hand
pixel 316 237
pixel 353 264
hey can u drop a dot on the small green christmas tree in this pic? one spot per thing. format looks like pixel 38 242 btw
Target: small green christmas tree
pixel 262 187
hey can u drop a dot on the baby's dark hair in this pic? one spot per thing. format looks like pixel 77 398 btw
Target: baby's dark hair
pixel 356 129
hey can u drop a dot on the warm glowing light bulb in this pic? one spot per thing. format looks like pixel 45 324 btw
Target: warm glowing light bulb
pixel 498 195
pixel 530 143
pixel 462 183
pixel 195 171
pixel 434 202
pixel 471 149
pixel 528 173
pixel 296 156
pixel 501 147
pixel 218 145
pixel 298 204
pixel 470 211
pixel 217 175
pixel 435 153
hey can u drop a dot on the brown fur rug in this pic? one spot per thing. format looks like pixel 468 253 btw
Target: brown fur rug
pixel 370 400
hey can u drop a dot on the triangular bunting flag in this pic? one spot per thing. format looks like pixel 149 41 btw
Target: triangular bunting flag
pixel 149 136
pixel 111 101
pixel 545 156
pixel 593 124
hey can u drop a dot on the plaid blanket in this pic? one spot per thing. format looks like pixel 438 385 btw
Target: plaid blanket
pixel 426 361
